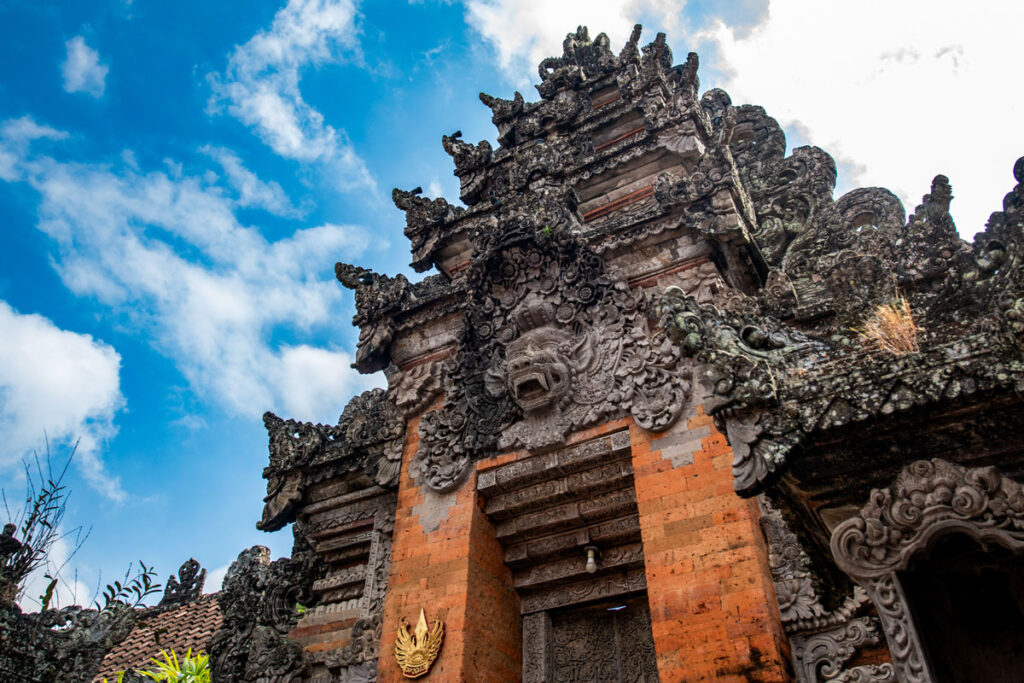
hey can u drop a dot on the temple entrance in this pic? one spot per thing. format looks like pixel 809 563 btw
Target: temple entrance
pixel 610 642
pixel 968 607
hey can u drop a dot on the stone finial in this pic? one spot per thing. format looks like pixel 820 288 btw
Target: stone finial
pixel 187 587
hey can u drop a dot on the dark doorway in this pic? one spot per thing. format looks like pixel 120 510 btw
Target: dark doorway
pixel 610 642
pixel 968 605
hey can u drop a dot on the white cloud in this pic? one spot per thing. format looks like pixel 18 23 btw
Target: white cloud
pixel 82 69
pixel 215 579
pixel 169 254
pixel 15 137
pixel 59 384
pixel 904 99
pixel 261 86
pixel 310 378
pixel 252 191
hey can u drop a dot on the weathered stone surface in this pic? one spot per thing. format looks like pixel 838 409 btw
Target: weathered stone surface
pixel 259 601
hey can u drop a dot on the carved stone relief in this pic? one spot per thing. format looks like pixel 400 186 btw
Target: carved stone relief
pixel 258 601
pixel 598 644
pixel 799 605
pixel 929 498
pixel 820 656
pixel 551 346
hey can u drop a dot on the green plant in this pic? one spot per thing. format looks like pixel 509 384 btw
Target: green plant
pixel 38 525
pixel 189 669
pixel 132 592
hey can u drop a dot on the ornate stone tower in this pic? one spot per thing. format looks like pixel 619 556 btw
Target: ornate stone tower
pixel 645 316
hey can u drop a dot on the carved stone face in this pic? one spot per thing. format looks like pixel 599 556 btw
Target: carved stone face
pixel 537 372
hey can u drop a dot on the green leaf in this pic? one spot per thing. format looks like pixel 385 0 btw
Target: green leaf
pixel 47 595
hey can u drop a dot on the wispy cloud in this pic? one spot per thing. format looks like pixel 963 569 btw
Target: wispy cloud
pixel 260 86
pixel 58 384
pixel 252 191
pixel 166 250
pixel 82 70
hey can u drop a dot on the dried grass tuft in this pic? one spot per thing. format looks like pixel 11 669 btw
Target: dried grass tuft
pixel 892 328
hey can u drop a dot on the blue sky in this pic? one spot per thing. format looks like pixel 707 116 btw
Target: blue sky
pixel 178 179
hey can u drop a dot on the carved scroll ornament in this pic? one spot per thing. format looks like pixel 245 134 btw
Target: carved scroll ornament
pixel 929 498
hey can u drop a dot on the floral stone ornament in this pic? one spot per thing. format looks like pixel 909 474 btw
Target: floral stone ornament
pixel 417 651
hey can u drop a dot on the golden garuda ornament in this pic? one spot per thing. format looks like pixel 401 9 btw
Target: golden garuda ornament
pixel 417 651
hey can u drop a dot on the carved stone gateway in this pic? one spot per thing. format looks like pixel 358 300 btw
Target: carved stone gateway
pixel 644 315
pixel 644 308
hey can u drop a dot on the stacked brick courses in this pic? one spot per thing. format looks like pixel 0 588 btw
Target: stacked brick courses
pixel 713 606
pixel 455 573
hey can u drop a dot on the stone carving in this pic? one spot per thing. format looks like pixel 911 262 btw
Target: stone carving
pixel 869 673
pixel 609 586
pixel 741 357
pixel 60 645
pixel 258 601
pixel 376 295
pixel 800 607
pixel 368 438
pixel 414 389
pixel 929 497
pixel 602 646
pixel 551 345
pixel 772 384
pixel 537 655
pixel 188 587
pixel 367 584
pixel 363 650
pixel 821 656
pixel 470 163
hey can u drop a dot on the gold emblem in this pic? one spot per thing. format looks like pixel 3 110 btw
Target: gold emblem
pixel 417 651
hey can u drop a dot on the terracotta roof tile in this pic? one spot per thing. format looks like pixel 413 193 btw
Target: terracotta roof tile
pixel 188 626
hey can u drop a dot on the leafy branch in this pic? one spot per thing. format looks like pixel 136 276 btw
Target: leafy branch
pixel 132 591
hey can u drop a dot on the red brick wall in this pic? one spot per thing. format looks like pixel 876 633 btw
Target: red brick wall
pixel 713 610
pixel 456 574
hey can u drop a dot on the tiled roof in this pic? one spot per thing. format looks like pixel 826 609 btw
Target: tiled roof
pixel 188 626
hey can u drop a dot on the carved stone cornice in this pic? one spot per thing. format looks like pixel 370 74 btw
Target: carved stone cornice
pixel 772 385
pixel 366 441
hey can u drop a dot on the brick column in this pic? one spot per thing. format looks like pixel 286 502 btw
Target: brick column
pixel 446 559
pixel 714 615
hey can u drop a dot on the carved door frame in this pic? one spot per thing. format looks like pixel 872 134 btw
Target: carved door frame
pixel 928 499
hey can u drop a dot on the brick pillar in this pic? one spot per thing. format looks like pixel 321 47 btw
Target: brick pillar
pixel 714 615
pixel 446 559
